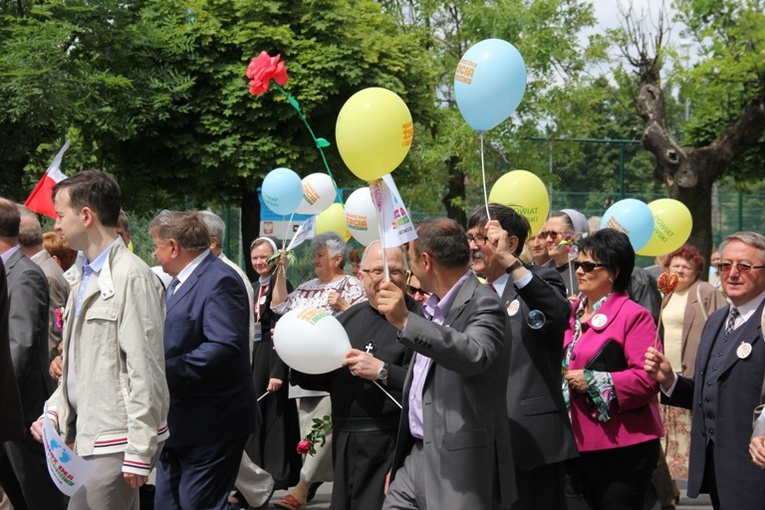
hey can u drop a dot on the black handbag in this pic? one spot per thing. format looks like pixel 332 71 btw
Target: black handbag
pixel 610 358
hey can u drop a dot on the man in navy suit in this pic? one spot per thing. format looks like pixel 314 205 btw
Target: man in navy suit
pixel 730 366
pixel 212 398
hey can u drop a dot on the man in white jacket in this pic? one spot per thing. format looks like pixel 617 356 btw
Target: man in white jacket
pixel 113 397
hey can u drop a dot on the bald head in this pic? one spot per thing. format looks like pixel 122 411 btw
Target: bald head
pixel 372 272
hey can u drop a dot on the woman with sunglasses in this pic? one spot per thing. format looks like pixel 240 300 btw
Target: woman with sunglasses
pixel 414 290
pixel 612 401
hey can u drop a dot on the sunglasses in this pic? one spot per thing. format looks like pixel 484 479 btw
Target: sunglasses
pixel 551 233
pixel 742 267
pixel 414 290
pixel 587 267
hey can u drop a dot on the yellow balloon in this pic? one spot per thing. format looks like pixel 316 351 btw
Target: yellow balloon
pixel 525 193
pixel 672 227
pixel 332 219
pixel 374 132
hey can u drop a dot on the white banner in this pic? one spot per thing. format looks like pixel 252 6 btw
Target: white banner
pixel 397 225
pixel 68 471
pixel 306 231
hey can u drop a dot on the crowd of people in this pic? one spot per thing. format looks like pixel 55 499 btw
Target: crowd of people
pixel 491 367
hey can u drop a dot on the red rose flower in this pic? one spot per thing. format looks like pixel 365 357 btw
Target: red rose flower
pixel 60 319
pixel 303 447
pixel 262 70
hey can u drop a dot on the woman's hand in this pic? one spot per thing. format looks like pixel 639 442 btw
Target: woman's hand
pixel 576 380
pixel 283 261
pixel 336 301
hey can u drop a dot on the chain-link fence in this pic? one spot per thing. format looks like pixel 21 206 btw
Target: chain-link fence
pixel 583 174
pixel 590 175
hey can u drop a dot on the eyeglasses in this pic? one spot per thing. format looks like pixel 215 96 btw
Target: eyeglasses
pixel 414 290
pixel 479 240
pixel 742 267
pixel 378 272
pixel 587 267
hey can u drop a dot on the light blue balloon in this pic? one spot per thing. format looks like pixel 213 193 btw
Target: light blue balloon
pixel 489 83
pixel 632 217
pixel 282 191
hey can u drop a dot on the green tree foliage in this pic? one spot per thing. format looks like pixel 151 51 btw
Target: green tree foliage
pixel 156 91
pixel 724 87
pixel 545 32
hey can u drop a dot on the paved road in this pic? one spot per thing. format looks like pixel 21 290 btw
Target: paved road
pixel 323 495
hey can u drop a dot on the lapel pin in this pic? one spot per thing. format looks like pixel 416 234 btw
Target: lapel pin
pixel 744 350
pixel 599 320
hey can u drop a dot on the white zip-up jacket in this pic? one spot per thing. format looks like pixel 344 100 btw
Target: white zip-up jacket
pixel 118 363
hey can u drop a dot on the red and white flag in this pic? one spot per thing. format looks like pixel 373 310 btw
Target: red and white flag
pixel 40 200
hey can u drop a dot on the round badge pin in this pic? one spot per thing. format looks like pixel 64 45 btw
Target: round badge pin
pixel 599 320
pixel 513 307
pixel 744 350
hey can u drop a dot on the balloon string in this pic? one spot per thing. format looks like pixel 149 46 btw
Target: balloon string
pixel 380 227
pixel 483 176
pixel 292 101
pixel 389 395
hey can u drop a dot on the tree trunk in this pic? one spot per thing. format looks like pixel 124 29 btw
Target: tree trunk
pixel 698 200
pixel 250 221
pixel 455 197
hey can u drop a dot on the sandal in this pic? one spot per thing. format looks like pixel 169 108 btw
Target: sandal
pixel 289 502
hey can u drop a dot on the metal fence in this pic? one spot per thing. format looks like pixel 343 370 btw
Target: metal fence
pixel 583 174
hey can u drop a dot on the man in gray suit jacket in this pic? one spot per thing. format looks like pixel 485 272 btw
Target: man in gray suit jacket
pixel 453 447
pixel 27 482
pixel 31 243
pixel 535 301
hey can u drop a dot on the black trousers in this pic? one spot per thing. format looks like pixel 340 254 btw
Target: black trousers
pixel 24 475
pixel 614 479
pixel 541 488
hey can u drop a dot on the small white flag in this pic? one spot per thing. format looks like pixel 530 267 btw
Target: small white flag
pixel 306 231
pixel 397 225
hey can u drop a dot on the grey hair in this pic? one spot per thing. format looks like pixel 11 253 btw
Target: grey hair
pixel 333 243
pixel 30 231
pixel 747 237
pixel 400 249
pixel 215 225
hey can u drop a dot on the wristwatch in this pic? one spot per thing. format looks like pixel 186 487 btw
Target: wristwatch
pixel 515 265
pixel 382 374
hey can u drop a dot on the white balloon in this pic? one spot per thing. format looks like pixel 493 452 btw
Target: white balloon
pixel 311 341
pixel 318 194
pixel 361 217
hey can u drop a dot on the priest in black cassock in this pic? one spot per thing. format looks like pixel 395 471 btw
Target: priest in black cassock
pixel 364 418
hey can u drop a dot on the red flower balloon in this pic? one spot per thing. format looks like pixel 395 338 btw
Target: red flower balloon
pixel 262 70
pixel 667 283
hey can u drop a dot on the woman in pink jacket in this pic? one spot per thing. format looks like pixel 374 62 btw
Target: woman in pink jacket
pixel 612 402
